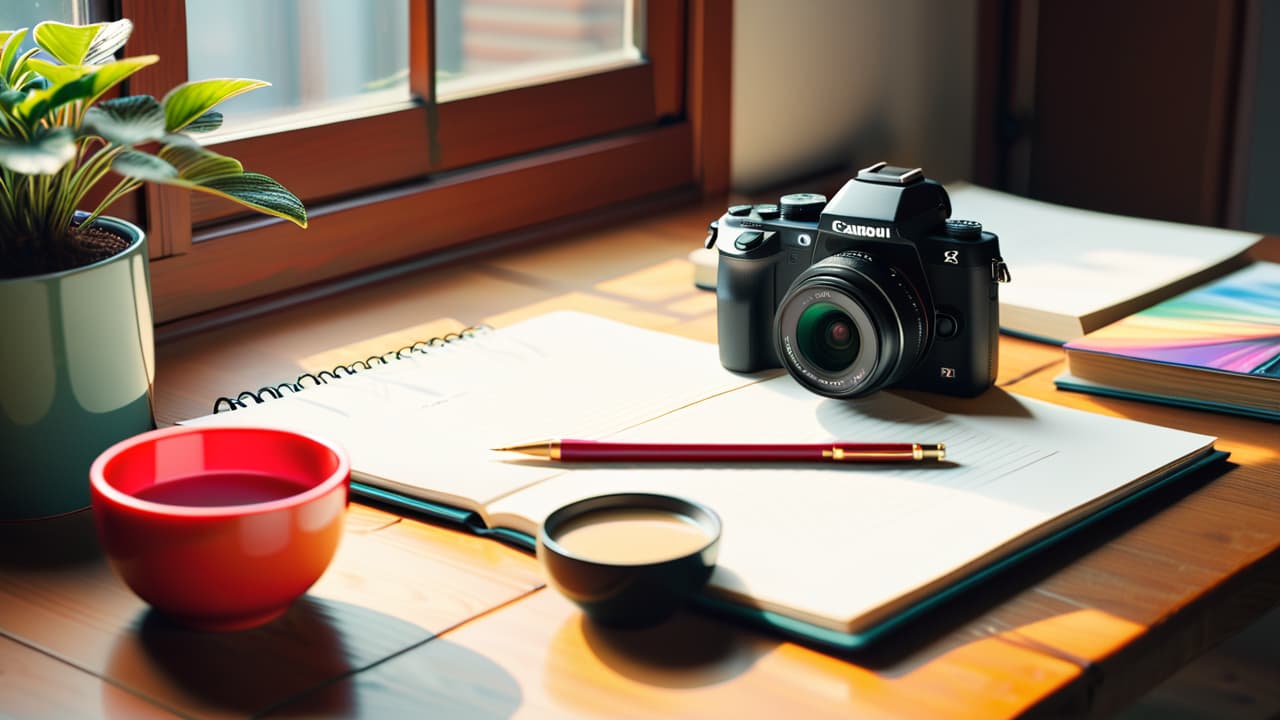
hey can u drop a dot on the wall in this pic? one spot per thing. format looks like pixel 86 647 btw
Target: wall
pixel 821 84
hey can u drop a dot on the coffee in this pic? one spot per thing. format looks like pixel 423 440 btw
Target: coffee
pixel 220 490
pixel 631 536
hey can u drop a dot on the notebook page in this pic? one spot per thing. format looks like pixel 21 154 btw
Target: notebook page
pixel 1075 270
pixel 424 425
pixel 1075 262
pixel 838 545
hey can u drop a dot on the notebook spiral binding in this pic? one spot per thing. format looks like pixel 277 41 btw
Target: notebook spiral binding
pixel 307 379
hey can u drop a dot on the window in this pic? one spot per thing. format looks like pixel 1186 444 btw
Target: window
pixel 411 126
pixel 327 60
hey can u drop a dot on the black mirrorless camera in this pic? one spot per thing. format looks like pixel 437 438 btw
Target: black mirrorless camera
pixel 875 289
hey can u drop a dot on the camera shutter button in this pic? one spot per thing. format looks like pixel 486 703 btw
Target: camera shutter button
pixel 749 240
pixel 739 210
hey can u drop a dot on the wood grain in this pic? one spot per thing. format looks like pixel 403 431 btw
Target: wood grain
pixel 540 658
pixel 249 260
pixel 380 596
pixel 33 684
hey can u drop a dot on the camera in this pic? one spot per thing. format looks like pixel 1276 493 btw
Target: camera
pixel 877 288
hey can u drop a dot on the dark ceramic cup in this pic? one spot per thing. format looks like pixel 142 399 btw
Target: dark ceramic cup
pixel 639 588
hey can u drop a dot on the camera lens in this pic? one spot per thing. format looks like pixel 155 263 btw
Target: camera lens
pixel 851 324
pixel 827 337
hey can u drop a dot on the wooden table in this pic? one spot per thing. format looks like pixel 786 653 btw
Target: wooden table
pixel 414 619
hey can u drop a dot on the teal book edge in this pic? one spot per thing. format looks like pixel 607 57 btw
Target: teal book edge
pixel 1073 385
pixel 799 630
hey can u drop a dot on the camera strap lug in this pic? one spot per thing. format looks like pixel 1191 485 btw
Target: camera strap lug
pixel 710 241
pixel 999 270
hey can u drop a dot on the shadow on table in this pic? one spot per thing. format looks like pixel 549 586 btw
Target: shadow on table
pixel 59 542
pixel 322 658
pixel 438 679
pixel 687 651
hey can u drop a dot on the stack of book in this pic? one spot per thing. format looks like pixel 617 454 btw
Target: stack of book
pixel 1216 347
pixel 1145 309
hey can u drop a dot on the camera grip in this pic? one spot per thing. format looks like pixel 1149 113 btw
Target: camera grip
pixel 744 314
pixel 966 363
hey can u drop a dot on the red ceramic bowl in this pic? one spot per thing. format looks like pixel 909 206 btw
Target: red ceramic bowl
pixel 220 528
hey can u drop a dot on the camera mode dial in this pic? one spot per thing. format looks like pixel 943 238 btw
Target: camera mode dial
pixel 802 206
pixel 964 229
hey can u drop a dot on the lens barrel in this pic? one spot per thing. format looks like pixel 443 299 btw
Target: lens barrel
pixel 850 325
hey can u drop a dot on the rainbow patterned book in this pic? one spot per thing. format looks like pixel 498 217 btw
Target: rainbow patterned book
pixel 1216 347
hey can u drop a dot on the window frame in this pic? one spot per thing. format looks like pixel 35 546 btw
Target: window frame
pixel 438 177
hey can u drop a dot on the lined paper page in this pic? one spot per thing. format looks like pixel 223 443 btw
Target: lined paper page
pixel 843 545
pixel 424 425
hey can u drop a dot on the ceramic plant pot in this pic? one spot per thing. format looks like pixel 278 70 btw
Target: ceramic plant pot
pixel 77 362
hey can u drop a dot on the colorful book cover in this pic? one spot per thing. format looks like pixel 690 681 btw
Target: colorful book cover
pixel 1231 325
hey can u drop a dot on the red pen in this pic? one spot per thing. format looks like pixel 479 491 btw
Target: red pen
pixel 593 451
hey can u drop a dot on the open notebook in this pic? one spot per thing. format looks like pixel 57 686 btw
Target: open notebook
pixel 1076 270
pixel 835 554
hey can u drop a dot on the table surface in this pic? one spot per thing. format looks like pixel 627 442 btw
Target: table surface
pixel 418 618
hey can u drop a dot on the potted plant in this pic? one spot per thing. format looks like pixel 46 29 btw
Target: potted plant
pixel 76 353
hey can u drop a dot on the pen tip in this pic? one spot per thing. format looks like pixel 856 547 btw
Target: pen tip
pixel 538 448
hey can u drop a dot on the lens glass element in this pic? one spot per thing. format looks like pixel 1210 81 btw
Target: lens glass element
pixel 851 324
pixel 827 337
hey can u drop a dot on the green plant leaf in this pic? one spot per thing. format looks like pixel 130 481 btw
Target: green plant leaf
pixel 104 77
pixel 10 41
pixel 127 120
pixel 204 170
pixel 39 103
pixel 187 102
pixel 199 165
pixel 44 155
pixel 207 122
pixel 113 73
pixel 18 74
pixel 143 166
pixel 110 38
pixel 67 43
pixel 58 74
pixel 260 193
pixel 10 99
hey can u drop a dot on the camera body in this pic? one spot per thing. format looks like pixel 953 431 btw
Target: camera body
pixel 874 289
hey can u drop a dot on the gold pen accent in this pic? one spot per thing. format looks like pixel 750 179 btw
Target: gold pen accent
pixel 541 448
pixel 932 451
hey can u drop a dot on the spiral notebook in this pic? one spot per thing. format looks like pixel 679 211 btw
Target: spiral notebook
pixel 323 377
pixel 835 555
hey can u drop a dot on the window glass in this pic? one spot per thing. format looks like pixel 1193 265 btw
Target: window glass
pixel 16 14
pixel 486 46
pixel 326 60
